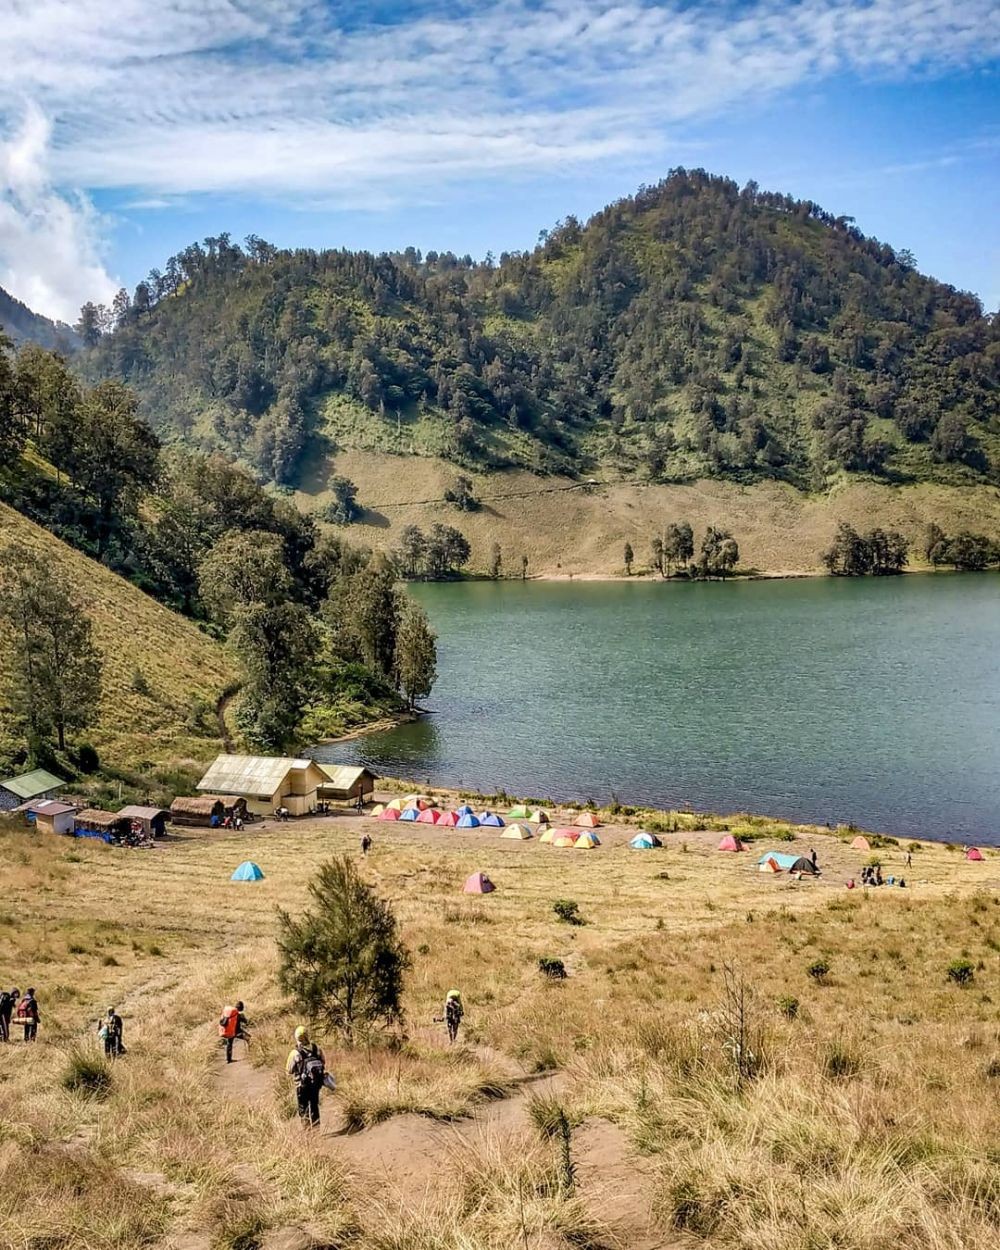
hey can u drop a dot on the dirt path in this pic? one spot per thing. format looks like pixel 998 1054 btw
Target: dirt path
pixel 406 1156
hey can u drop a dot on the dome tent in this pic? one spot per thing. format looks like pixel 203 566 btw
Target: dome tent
pixel 518 812
pixel 449 820
pixel 390 813
pixel 468 821
pixel 861 843
pixel 491 819
pixel 520 832
pixel 248 871
pixel 478 883
pixel 645 842
pixel 410 814
pixel 974 853
pixel 587 820
pixel 429 816
pixel 729 843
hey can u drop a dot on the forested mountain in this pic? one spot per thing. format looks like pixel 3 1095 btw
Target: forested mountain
pixel 21 325
pixel 694 330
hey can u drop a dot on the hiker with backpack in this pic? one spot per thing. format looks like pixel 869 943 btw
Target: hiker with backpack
pixel 28 1015
pixel 307 1065
pixel 110 1032
pixel 366 845
pixel 8 1001
pixel 232 1025
pixel 453 1012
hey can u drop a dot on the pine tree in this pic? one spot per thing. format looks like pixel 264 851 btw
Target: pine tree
pixel 416 652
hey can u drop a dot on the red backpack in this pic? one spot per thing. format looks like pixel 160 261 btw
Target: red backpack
pixel 229 1023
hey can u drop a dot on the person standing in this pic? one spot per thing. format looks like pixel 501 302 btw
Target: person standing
pixel 813 858
pixel 110 1031
pixel 28 1015
pixel 366 845
pixel 307 1066
pixel 232 1025
pixel 453 1013
pixel 8 1001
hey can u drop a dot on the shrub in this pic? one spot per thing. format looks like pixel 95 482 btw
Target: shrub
pixel 139 683
pixel 568 911
pixel 554 968
pixel 818 970
pixel 87 758
pixel 841 1062
pixel 87 1073
pixel 109 961
pixel 961 971
pixel 788 1005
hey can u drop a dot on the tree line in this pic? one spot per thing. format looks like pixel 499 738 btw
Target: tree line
pixel 672 553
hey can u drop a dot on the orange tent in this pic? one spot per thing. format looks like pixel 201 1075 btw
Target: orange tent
pixel 478 883
pixel 587 820
pixel 564 837
pixel 769 865
pixel 729 843
pixel 861 844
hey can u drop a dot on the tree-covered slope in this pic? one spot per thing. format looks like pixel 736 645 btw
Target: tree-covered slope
pixel 692 330
pixel 21 325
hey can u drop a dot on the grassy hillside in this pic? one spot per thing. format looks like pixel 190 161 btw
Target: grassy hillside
pixel 179 671
pixel 866 1114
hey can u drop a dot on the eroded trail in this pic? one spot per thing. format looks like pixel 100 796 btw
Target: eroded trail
pixel 408 1155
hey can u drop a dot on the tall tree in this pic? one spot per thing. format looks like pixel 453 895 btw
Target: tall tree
pixel 411 550
pixel 678 544
pixel 277 647
pixel 243 569
pixel 416 652
pixel 11 425
pixel 496 561
pixel 656 553
pixel 720 553
pixel 628 556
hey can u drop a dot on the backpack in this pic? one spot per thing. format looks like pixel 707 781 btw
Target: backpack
pixel 229 1023
pixel 312 1069
pixel 26 1009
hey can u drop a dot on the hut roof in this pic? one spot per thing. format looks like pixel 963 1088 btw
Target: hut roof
pixel 50 807
pixel 30 785
pixel 343 776
pixel 135 812
pixel 257 775
pixel 197 804
pixel 98 819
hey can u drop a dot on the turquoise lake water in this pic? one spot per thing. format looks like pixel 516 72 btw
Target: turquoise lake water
pixel 874 701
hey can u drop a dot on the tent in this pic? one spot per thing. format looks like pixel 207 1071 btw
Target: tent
pixel 565 837
pixel 768 865
pixel 377 810
pixel 428 816
pixel 468 821
pixel 787 863
pixel 478 883
pixel 729 843
pixel 491 819
pixel 390 813
pixel 449 819
pixel 418 802
pixel 861 844
pixel 538 817
pixel 396 805
pixel 464 810
pixel 587 841
pixel 546 835
pixel 518 812
pixel 587 820
pixel 521 832
pixel 645 842
pixel 247 871
pixel 409 813
pixel 974 853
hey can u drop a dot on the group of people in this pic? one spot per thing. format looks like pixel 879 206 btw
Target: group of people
pixel 21 1010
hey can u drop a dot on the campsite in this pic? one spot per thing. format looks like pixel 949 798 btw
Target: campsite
pixel 426 1146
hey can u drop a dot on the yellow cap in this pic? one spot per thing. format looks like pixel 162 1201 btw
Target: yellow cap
pixel 301 1033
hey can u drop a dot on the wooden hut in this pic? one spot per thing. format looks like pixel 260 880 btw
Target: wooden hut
pixel 51 816
pixel 92 820
pixel 266 782
pixel 150 820
pixel 346 784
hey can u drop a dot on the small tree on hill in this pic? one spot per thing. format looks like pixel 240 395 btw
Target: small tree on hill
pixel 344 961
pixel 343 507
pixel 496 561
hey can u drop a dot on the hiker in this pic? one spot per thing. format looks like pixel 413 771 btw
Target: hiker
pixel 7 1004
pixel 813 857
pixel 238 824
pixel 232 1025
pixel 453 1014
pixel 307 1064
pixel 360 804
pixel 110 1032
pixel 878 875
pixel 28 1015
pixel 366 845
pixel 909 860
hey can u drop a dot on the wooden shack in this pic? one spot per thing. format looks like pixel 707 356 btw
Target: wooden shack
pixel 51 816
pixel 265 782
pixel 346 783
pixel 151 820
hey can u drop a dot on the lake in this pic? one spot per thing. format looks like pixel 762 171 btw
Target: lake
pixel 875 701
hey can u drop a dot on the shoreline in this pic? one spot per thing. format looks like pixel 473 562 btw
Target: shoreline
pixel 767 575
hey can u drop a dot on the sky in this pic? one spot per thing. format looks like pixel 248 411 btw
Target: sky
pixel 131 128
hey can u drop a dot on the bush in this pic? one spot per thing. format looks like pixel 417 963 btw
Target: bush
pixel 554 968
pixel 788 1005
pixel 818 970
pixel 568 911
pixel 840 1062
pixel 87 1073
pixel 87 759
pixel 139 683
pixel 961 971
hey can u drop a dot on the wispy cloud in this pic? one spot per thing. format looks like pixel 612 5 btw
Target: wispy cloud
pixel 343 103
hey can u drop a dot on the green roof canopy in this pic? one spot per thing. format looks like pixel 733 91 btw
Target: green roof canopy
pixel 31 785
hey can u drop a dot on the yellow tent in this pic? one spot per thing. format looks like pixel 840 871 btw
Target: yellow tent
pixel 546 836
pixel 538 817
pixel 563 839
pixel 397 805
pixel 377 810
pixel 521 832
pixel 588 841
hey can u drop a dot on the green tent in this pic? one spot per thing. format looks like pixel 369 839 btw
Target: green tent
pixel 520 812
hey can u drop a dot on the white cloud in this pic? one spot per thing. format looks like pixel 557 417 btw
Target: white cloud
pixel 313 100
pixel 49 255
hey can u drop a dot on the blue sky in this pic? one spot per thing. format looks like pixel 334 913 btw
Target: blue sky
pixel 472 126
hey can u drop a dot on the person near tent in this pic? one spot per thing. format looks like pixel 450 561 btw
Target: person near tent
pixel 28 1015
pixel 110 1032
pixel 8 1001
pixel 307 1066
pixel 453 1012
pixel 909 859
pixel 366 845
pixel 813 858
pixel 233 1026
pixel 878 875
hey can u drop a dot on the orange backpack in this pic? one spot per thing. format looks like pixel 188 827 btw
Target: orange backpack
pixel 229 1023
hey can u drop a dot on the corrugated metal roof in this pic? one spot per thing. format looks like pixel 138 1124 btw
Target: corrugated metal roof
pixel 257 775
pixel 50 807
pixel 143 813
pixel 343 776
pixel 30 785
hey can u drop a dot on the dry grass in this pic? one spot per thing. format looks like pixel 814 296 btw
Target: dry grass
pixel 180 664
pixel 874 1119
pixel 780 530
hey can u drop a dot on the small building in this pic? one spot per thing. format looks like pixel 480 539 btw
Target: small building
pixel 266 782
pixel 346 783
pixel 51 816
pixel 27 788
pixel 151 821
pixel 202 809
pixel 92 822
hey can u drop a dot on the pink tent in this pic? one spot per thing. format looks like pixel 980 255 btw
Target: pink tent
pixel 448 819
pixel 973 853
pixel 478 883
pixel 390 813
pixel 729 843
pixel 428 817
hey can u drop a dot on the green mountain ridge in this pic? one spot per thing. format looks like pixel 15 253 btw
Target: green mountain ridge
pixel 693 330
pixel 21 326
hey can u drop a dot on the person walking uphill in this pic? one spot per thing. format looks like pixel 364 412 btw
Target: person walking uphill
pixel 110 1031
pixel 453 1013
pixel 307 1065
pixel 232 1025
pixel 28 1015
pixel 7 1004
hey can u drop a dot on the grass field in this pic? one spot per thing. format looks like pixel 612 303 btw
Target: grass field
pixel 855 1107
pixel 168 715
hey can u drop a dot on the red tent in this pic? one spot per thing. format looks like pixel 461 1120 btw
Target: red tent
pixel 449 819
pixel 428 817
pixel 390 813
pixel 973 853
pixel 478 883
pixel 729 843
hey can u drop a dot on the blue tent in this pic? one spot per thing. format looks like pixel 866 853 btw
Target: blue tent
pixel 491 819
pixel 464 810
pixel 469 821
pixel 411 813
pixel 247 871
pixel 788 863
pixel 645 842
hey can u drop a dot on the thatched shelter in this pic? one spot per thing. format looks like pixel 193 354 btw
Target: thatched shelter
pixel 197 810
pixel 93 818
